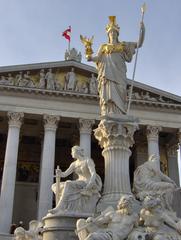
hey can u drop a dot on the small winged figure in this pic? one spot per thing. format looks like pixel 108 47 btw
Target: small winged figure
pixel 88 45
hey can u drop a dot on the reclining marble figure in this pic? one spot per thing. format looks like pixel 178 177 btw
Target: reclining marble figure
pixel 111 224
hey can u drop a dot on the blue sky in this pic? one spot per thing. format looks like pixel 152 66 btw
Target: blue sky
pixel 31 32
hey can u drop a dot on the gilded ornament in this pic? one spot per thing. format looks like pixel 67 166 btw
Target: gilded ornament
pixel 111 48
pixel 88 45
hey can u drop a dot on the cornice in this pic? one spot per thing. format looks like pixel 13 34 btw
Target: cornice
pixel 37 66
pixel 156 104
pixel 39 91
pixel 73 94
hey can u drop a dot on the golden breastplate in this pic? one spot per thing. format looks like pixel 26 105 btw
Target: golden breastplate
pixel 111 48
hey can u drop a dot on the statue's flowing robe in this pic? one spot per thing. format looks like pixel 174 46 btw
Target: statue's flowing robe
pixel 73 194
pixel 112 76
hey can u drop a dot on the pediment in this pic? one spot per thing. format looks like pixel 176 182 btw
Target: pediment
pixel 147 95
pixel 27 78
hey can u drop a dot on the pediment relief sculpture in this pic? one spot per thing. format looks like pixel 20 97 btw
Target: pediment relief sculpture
pixel 148 96
pixel 52 79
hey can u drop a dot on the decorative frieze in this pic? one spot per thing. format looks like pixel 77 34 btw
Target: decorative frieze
pixel 51 79
pixel 147 96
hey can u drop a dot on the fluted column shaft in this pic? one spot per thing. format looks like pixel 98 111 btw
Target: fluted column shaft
pixel 47 165
pixel 117 178
pixel 115 138
pixel 9 171
pixel 85 135
pixel 153 141
pixel 179 155
pixel 172 155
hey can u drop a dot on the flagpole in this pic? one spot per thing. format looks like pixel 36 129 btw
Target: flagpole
pixel 143 8
pixel 70 39
pixel 69 46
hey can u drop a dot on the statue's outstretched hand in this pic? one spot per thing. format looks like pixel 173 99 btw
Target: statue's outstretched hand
pixel 58 172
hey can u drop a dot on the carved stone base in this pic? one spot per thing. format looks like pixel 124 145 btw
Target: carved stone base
pixel 61 227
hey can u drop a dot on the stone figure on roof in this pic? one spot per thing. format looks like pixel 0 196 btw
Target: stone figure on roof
pixel 111 65
pixel 93 84
pixel 42 83
pixel 50 80
pixel 82 194
pixel 24 80
pixel 73 55
pixel 19 78
pixel 3 81
pixel 70 80
pixel 10 79
pixel 27 79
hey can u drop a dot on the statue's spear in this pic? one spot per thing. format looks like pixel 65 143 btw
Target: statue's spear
pixel 143 9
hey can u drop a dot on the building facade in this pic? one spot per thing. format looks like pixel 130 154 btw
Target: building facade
pixel 47 108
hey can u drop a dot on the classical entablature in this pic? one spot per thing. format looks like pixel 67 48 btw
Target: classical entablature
pixel 59 84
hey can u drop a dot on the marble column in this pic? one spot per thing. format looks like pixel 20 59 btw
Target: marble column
pixel 153 141
pixel 179 155
pixel 115 138
pixel 173 173
pixel 179 139
pixel 141 154
pixel 47 165
pixel 173 170
pixel 85 135
pixel 9 171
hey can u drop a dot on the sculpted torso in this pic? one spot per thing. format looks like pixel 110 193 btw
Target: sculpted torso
pixel 81 169
pixel 122 222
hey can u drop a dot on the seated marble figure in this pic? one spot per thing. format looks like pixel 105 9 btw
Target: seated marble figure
pixel 82 194
pixel 149 180
pixel 111 224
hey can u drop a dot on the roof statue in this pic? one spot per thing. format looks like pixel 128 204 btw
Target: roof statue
pixel 73 55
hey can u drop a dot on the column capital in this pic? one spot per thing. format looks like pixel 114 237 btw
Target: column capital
pixel 86 125
pixel 50 122
pixel 112 133
pixel 153 132
pixel 15 119
pixel 172 150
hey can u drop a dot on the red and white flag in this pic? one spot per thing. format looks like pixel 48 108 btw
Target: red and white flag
pixel 67 33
